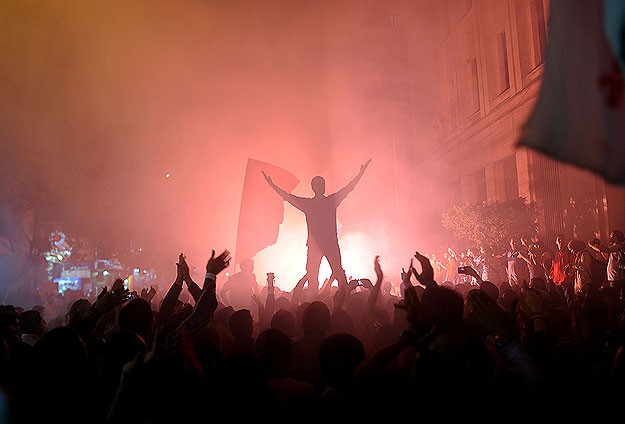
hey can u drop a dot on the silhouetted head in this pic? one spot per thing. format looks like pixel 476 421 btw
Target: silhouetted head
pixel 284 321
pixel 31 322
pixel 62 357
pixel 616 236
pixel 222 315
pixel 490 289
pixel 339 356
pixel 341 322
pixel 137 316
pixel 274 349
pixel 9 324
pixel 443 306
pixel 241 324
pixel 77 312
pixel 576 246
pixel 318 185
pixel 247 264
pixel 316 318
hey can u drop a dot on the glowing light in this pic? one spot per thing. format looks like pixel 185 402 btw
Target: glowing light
pixel 167 175
pixel 59 257
pixel 105 273
pixel 357 252
pixel 136 270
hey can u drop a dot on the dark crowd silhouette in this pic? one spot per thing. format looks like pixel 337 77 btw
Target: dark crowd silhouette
pixel 549 347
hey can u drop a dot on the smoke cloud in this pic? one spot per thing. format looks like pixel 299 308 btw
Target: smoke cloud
pixel 140 116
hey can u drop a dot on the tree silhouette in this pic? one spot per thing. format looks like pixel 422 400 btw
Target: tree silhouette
pixel 491 222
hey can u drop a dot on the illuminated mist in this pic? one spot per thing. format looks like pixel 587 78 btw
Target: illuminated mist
pixel 142 114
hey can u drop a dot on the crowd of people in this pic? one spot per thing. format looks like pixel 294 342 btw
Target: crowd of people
pixel 541 342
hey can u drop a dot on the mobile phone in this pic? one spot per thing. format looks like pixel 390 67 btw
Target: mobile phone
pixel 462 270
pixel 130 295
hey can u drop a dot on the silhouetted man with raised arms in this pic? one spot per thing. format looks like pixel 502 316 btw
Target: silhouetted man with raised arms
pixel 320 211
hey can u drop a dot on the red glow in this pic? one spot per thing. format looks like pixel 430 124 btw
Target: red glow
pixel 166 106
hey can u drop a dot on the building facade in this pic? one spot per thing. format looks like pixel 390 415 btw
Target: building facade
pixel 490 56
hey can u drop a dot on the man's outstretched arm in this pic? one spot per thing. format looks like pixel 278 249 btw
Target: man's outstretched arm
pixel 342 193
pixel 291 198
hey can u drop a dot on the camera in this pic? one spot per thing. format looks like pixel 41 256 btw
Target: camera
pixel 361 282
pixel 129 296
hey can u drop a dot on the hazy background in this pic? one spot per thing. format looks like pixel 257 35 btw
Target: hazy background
pixel 102 98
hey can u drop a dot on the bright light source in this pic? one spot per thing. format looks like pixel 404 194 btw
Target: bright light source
pixel 105 273
pixel 59 257
pixel 136 270
pixel 167 175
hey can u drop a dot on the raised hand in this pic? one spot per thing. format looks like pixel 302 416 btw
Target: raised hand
pixel 488 314
pixel 377 268
pixel 426 277
pixel 108 300
pixel 179 270
pixel 416 322
pixel 148 294
pixel 118 285
pixel 216 264
pixel 470 271
pixel 257 301
pixel 405 275
pixel 270 279
pixel 183 267
pixel 364 166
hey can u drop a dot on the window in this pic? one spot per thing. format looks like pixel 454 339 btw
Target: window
pixel 468 66
pixel 498 66
pixel 502 55
pixel 476 187
pixel 511 178
pixel 506 179
pixel 532 34
pixel 472 104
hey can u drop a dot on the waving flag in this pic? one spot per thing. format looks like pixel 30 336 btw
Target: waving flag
pixel 614 17
pixel 262 209
pixel 579 117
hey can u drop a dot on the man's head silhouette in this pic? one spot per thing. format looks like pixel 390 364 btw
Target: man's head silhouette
pixel 318 185
pixel 247 264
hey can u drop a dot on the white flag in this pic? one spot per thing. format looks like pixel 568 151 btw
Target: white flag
pixel 579 117
pixel 614 17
